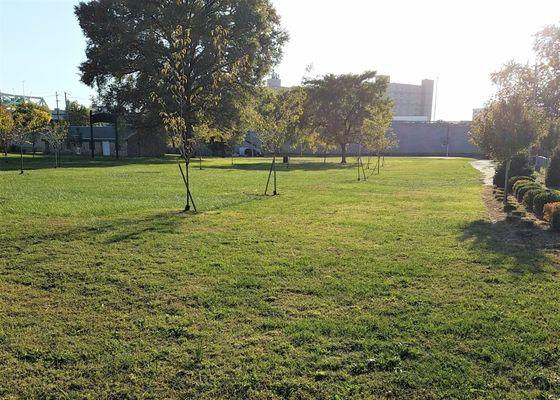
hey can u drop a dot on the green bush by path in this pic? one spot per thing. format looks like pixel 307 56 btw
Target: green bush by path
pixel 515 179
pixel 520 183
pixel 552 178
pixel 520 166
pixel 394 288
pixel 522 189
pixel 541 199
pixel 530 196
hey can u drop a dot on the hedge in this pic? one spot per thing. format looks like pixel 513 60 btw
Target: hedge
pixel 530 196
pixel 515 179
pixel 543 198
pixel 522 189
pixel 518 184
pixel 552 178
pixel 520 166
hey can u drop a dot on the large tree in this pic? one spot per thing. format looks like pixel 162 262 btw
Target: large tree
pixel 6 128
pixel 77 114
pixel 338 105
pixel 190 63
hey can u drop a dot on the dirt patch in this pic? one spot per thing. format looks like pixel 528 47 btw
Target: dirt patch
pixel 528 231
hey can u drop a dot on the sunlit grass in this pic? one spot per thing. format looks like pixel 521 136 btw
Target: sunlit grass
pixel 390 288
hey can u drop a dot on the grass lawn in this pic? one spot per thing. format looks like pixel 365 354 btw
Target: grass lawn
pixel 336 289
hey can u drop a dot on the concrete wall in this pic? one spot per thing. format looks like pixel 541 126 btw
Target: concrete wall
pixel 417 138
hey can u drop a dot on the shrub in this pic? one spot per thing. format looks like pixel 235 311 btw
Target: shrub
pixel 530 196
pixel 520 166
pixel 543 198
pixel 555 220
pixel 553 171
pixel 518 184
pixel 522 189
pixel 515 179
pixel 549 209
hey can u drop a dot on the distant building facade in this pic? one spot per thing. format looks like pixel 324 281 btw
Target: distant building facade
pixel 413 103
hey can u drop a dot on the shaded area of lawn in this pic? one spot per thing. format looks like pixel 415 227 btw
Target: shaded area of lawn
pixel 393 288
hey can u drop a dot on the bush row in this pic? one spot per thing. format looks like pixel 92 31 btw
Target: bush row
pixel 537 198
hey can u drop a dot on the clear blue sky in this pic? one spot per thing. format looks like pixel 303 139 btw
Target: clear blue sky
pixel 459 41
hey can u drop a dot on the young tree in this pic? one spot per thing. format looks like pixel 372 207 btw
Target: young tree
pixel 279 116
pixel 6 128
pixel 339 104
pixel 506 127
pixel 55 136
pixel 376 132
pixel 29 118
pixel 77 114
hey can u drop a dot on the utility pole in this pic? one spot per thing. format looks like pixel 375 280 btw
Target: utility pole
pixel 57 109
pixel 23 87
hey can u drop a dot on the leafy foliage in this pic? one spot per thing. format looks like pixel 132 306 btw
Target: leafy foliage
pixel 6 128
pixel 552 178
pixel 279 115
pixel 530 196
pixel 77 114
pixel 520 166
pixel 543 198
pixel 339 104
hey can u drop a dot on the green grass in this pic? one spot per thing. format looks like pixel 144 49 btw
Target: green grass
pixel 336 289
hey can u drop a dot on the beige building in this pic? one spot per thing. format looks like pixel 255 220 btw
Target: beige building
pixel 412 102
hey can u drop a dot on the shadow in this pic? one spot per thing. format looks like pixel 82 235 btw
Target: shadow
pixel 103 231
pixel 294 166
pixel 531 248
pixel 48 162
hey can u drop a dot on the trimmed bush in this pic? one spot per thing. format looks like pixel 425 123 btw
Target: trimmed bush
pixel 522 189
pixel 530 196
pixel 543 198
pixel 549 209
pixel 518 184
pixel 515 179
pixel 555 220
pixel 520 166
pixel 553 171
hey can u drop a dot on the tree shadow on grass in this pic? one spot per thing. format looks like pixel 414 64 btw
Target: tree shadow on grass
pixel 532 249
pixel 264 165
pixel 47 162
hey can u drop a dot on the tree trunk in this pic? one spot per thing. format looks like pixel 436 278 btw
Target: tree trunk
pixel 506 189
pixel 33 149
pixel 6 151
pixel 343 151
pixel 378 163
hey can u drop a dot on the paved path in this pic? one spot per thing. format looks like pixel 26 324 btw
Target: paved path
pixel 487 168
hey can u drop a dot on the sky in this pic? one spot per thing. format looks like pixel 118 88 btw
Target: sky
pixel 457 42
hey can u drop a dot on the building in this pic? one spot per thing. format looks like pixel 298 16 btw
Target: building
pixel 413 103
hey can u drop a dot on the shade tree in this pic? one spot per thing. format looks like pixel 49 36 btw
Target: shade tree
pixel 29 119
pixel 339 104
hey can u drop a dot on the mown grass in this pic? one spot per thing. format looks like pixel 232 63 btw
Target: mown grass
pixel 390 288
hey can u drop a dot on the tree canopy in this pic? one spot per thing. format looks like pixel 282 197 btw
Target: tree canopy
pixel 225 47
pixel 77 114
pixel 339 104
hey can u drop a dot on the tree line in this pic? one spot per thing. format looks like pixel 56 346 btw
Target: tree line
pixel 196 68
pixel 523 115
pixel 27 122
